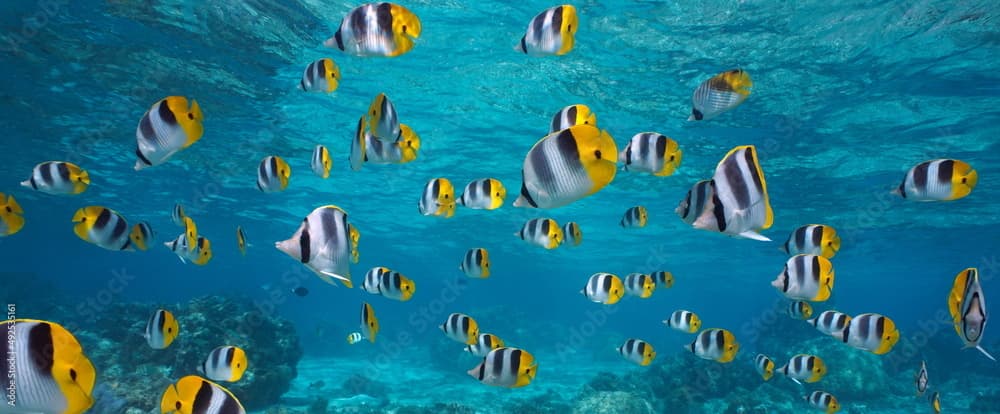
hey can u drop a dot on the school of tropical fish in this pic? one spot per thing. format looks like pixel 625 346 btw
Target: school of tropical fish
pixel 573 159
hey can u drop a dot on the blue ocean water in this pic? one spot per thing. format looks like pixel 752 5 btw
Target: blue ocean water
pixel 847 97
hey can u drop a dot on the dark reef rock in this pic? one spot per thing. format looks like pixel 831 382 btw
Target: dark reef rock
pixel 138 374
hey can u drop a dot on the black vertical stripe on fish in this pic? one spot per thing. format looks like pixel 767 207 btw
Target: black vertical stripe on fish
pixel 487 188
pixel 272 164
pixel 304 243
pixel 146 128
pixel 720 210
pixel 737 184
pixel 310 71
pixel 800 238
pixel 262 173
pixel 796 364
pixel 202 399
pixel 687 318
pixel 41 350
pixel 754 170
pixel 687 203
pixel 705 341
pixel 538 25
pixel 230 354
pixel 643 148
pixel 498 360
pixel 397 281
pixel 102 219
pixel 435 184
pixel 800 270
pixel 817 235
pixel 479 256
pixel 34 186
pixel 815 269
pixel 524 48
pixel 641 348
pixel 340 41
pixel 384 16
pixel 571 113
pixel 141 157
pixel 482 370
pixel 359 22
pixel 864 326
pixel 165 114
pixel 63 170
pixel 593 284
pixel 546 226
pixel 828 318
pixel 698 116
pixel 465 325
pixel 229 406
pixel 810 363
pixel 880 327
pixel 606 284
pixel 661 146
pixel 920 173
pixel 160 317
pixel 945 170
pixel 557 16
pixel 46 173
pixel 786 280
pixel 452 324
pixel 120 229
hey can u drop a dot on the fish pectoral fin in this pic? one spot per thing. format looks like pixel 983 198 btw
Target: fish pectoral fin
pixel 796 381
pixel 980 348
pixel 750 234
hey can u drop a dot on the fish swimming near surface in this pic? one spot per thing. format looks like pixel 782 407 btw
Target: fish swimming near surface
pixel 604 288
pixel 483 194
pixel 551 32
pixel 321 162
pixel 438 199
pixel 321 75
pixel 322 244
pixel 634 217
pixel 169 126
pixel 58 177
pixel 739 205
pixel 103 227
pixel 52 372
pixel 719 94
pixel 938 180
pixel 11 215
pixel 225 363
pixel 572 115
pixel 815 239
pixel 195 395
pixel 377 29
pixel 506 367
pixel 651 152
pixel 273 174
pixel 566 166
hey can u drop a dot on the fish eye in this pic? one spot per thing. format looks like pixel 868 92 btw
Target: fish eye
pixel 72 374
pixel 190 116
pixel 169 330
pixel 963 180
pixel 178 405
pixel 237 365
pixel 9 210
pixel 597 153
pixel 569 27
pixel 671 158
pixel 404 28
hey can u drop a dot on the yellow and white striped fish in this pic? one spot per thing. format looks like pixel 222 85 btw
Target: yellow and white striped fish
pixel 804 368
pixel 193 394
pixel 921 380
pixel 764 366
pixel 438 198
pixel 684 321
pixel 58 177
pixel 806 277
pixel 506 367
pixel 715 344
pixel 544 232
pixel 390 284
pixel 938 180
pixel 161 329
pixel 572 115
pixel 651 152
pixel 483 194
pixel 321 243
pixel 369 323
pixel 401 151
pixel 634 217
pixel 355 236
pixel 831 323
pixel 169 126
pixel 476 263
pixel 551 32
pixel 321 161
pixel 967 306
pixel 354 337
pixel 823 401
pixel 484 344
pixel 45 369
pixel 359 145
pixel 225 363
pixel 461 328
pixel 177 215
pixel 566 166
pixel 103 227
pixel 141 236
pixel 813 239
pixel 376 29
pixel 382 119
pixel 273 174
pixel 241 240
pixel 604 288
pixel 572 234
pixel 637 351
pixel 199 252
pixel 321 75
pixel 663 279
pixel 871 332
pixel 719 94
pixel 801 310
pixel 739 205
pixel 639 284
pixel 11 215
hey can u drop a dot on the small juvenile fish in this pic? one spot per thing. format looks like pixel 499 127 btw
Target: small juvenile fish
pixel 637 351
pixel 273 174
pixel 58 177
pixel 572 234
pixel 476 263
pixel 320 76
pixel 719 94
pixel 321 161
pixel 634 217
pixel 604 288
pixel 551 32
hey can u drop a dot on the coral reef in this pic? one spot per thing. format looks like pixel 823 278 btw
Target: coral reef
pixel 137 374
pixel 612 402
